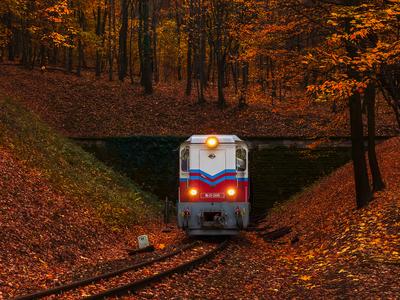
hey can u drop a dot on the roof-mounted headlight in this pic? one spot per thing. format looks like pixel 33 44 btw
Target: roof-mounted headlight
pixel 212 142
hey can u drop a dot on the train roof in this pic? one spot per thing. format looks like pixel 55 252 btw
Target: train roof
pixel 223 139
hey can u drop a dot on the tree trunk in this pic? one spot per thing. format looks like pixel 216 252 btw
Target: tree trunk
pixel 131 62
pixel 11 49
pixel 245 83
pixel 70 59
pixel 390 88
pixel 140 42
pixel 261 76
pixel 123 35
pixel 221 77
pixel 220 53
pixel 33 60
pixel 54 56
pixel 189 68
pixel 26 44
pixel 154 23
pixel 189 62
pixel 210 62
pixel 147 71
pixel 377 182
pixel 98 33
pixel 81 54
pixel 202 57
pixel 363 191
pixel 102 33
pixel 110 41
pixel 80 57
pixel 273 81
pixel 42 55
pixel 178 20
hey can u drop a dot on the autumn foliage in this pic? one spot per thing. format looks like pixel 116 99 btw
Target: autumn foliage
pixel 155 67
pixel 341 52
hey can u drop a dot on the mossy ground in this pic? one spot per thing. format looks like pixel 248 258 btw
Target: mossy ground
pixel 71 170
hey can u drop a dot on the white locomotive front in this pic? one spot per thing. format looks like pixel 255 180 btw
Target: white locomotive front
pixel 214 185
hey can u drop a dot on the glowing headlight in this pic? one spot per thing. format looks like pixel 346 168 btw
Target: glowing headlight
pixel 212 142
pixel 193 192
pixel 231 192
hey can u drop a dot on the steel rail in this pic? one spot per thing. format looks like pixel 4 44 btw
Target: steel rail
pixel 90 280
pixel 135 285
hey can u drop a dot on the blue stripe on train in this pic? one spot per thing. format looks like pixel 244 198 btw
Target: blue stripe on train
pixel 213 183
pixel 213 176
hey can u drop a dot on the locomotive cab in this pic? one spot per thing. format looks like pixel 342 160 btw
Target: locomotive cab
pixel 214 185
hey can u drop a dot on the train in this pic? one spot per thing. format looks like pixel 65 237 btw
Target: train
pixel 214 193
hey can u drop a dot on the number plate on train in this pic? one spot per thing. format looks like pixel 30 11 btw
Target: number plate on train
pixel 212 195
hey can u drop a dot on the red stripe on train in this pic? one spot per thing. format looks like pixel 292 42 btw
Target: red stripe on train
pixel 217 193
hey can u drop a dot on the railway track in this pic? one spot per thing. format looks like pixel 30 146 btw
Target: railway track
pixel 133 277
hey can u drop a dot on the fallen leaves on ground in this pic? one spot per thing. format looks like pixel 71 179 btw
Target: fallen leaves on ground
pixel 89 107
pixel 341 252
pixel 45 237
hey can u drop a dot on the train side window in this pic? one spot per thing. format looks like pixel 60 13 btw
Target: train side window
pixel 241 159
pixel 185 159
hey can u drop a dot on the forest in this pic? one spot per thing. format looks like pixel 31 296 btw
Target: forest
pixel 340 52
pixel 78 75
pixel 333 49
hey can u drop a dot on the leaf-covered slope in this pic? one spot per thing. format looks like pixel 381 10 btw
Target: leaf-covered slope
pixel 59 208
pixel 41 230
pixel 342 250
pixel 70 170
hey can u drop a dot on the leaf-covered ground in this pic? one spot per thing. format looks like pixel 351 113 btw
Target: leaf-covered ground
pixel 341 252
pixel 70 169
pixel 63 214
pixel 61 211
pixel 82 107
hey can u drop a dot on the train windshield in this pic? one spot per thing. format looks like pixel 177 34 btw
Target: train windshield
pixel 185 159
pixel 241 159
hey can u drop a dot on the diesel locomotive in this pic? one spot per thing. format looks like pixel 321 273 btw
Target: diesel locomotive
pixel 214 185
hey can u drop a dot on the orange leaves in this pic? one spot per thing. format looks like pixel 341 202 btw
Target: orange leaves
pixel 60 8
pixel 305 278
pixel 376 241
pixel 359 34
pixel 339 244
pixel 161 246
pixel 336 90
pixel 364 40
pixel 314 145
pixel 5 35
pixel 57 38
pixel 49 22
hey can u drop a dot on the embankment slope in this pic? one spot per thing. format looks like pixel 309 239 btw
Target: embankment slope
pixel 59 207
